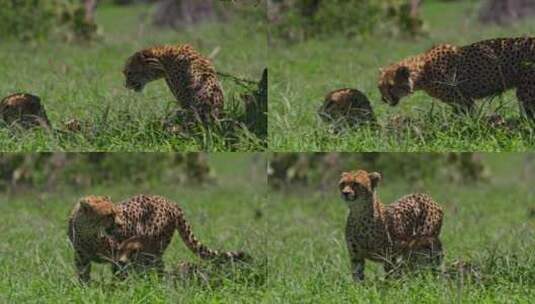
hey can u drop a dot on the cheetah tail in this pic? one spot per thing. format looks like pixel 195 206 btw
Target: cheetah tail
pixel 201 250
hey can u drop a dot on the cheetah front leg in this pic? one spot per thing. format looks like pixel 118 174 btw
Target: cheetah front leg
pixel 461 104
pixel 453 96
pixel 357 268
pixel 436 253
pixel 465 108
pixel 83 268
pixel 525 93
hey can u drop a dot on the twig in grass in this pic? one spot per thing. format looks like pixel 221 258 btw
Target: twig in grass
pixel 241 81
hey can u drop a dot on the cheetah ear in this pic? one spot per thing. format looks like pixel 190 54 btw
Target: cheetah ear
pixel 402 74
pixel 344 174
pixel 375 178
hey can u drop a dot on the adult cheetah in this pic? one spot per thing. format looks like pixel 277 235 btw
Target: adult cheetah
pixel 403 233
pixel 97 229
pixel 191 78
pixel 459 75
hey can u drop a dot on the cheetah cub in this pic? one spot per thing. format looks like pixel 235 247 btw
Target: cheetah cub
pixel 346 107
pixel 23 109
pixel 403 233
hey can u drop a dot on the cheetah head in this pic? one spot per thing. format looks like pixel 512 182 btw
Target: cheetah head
pixel 100 211
pixel 338 105
pixel 141 69
pixel 395 83
pixel 128 248
pixel 358 185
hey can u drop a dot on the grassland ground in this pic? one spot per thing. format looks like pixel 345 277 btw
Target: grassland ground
pixel 302 74
pixel 84 82
pixel 36 259
pixel 489 226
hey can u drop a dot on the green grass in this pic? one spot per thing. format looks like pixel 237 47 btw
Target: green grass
pixel 85 82
pixel 487 224
pixel 36 258
pixel 302 74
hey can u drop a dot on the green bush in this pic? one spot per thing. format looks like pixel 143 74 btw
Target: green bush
pixel 289 169
pixel 52 170
pixel 299 20
pixel 26 19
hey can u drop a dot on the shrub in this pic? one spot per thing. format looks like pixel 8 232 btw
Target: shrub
pixel 298 20
pixel 28 20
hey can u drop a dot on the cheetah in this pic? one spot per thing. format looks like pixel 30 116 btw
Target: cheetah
pixel 459 75
pixel 191 78
pixel 98 228
pixel 23 109
pixel 406 231
pixel 346 106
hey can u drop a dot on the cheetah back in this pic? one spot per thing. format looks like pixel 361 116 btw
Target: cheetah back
pixel 415 216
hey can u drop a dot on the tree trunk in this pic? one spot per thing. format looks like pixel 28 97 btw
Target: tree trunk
pixel 415 8
pixel 506 11
pixel 256 108
pixel 180 13
pixel 90 6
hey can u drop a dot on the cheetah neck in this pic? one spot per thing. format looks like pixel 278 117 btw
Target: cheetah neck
pixel 369 208
pixel 415 64
pixel 84 227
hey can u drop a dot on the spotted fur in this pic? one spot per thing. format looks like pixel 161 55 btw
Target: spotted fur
pixel 403 233
pixel 459 75
pixel 152 219
pixel 348 106
pixel 23 109
pixel 191 77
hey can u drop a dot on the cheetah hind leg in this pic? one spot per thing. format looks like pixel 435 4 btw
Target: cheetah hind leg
pixel 180 122
pixel 429 254
pixel 83 268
